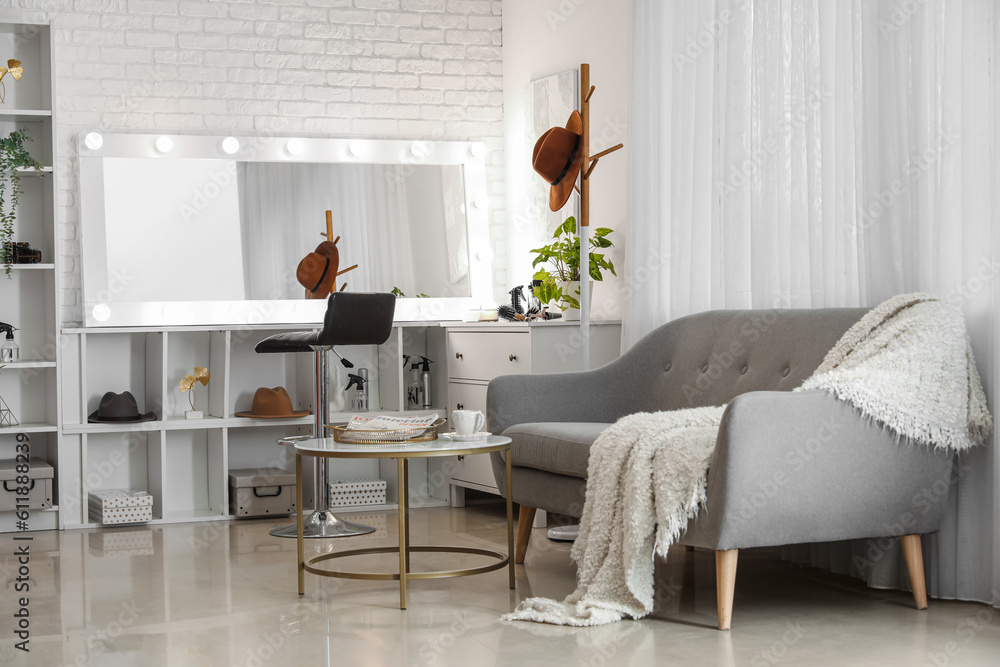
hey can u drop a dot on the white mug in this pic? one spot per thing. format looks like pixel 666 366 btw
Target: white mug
pixel 468 422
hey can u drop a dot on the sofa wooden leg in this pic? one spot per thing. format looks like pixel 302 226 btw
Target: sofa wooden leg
pixel 525 518
pixel 725 583
pixel 913 554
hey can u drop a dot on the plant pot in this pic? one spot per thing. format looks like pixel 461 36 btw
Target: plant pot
pixel 573 289
pixel 193 414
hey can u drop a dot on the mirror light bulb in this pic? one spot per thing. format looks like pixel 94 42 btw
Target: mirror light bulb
pixel 294 146
pixel 354 148
pixel 477 150
pixel 101 312
pixel 230 145
pixel 164 144
pixel 93 141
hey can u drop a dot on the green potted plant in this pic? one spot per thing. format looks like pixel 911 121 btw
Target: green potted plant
pixel 13 157
pixel 560 279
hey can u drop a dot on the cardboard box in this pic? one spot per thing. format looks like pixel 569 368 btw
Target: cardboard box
pixel 39 487
pixel 267 492
pixel 353 492
pixel 120 506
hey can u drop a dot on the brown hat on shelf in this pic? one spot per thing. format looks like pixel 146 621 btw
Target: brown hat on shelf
pixel 272 404
pixel 317 274
pixel 119 408
pixel 557 158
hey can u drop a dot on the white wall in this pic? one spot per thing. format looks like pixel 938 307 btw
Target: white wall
pixel 427 69
pixel 542 37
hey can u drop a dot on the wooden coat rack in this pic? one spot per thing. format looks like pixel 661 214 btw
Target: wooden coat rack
pixel 586 171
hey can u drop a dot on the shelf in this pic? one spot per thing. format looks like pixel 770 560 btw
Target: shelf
pixel 14 365
pixel 25 115
pixel 29 427
pixel 24 171
pixel 185 424
pixel 36 267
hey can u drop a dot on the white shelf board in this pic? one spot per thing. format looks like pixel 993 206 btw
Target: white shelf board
pixel 27 171
pixel 29 427
pixel 184 425
pixel 36 267
pixel 28 363
pixel 25 114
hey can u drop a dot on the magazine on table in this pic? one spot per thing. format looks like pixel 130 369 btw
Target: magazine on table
pixel 387 423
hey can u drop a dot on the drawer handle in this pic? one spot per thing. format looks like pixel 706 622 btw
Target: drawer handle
pixel 512 357
pixel 14 490
pixel 459 407
pixel 458 355
pixel 258 494
pixel 461 457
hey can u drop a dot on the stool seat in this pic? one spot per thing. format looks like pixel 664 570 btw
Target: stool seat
pixel 352 318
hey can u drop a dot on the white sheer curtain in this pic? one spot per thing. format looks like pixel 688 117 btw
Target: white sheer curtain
pixel 811 153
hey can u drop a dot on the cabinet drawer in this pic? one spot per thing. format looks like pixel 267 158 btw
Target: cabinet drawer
pixel 485 355
pixel 475 469
pixel 464 396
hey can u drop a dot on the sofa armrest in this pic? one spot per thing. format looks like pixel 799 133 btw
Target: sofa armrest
pixel 794 467
pixel 585 396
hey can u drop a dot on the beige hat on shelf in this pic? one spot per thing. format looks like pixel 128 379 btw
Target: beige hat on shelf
pixel 272 404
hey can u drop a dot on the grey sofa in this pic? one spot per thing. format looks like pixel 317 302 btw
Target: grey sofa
pixel 788 467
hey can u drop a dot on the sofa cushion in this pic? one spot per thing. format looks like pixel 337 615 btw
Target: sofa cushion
pixel 558 447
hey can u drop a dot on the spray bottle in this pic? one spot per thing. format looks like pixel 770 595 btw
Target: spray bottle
pixel 9 352
pixel 359 401
pixel 425 383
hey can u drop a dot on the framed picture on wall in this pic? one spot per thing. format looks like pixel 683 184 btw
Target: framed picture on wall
pixel 550 101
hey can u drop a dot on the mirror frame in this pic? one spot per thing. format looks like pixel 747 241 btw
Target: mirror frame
pixel 105 311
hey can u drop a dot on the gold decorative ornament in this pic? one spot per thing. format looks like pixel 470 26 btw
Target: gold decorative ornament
pixel 15 70
pixel 188 382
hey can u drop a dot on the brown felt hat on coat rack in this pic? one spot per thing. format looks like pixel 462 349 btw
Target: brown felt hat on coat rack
pixel 557 158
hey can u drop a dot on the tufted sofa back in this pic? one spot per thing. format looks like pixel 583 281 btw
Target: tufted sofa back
pixel 709 358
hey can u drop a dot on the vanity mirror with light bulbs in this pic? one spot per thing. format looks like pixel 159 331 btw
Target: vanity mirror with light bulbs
pixel 202 230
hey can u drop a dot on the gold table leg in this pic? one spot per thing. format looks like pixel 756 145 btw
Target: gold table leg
pixel 510 522
pixel 298 522
pixel 403 493
pixel 406 485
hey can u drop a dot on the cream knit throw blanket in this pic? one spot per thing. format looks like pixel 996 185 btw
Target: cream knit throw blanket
pixel 906 364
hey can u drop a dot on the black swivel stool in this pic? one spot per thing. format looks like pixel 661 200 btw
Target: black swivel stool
pixel 351 319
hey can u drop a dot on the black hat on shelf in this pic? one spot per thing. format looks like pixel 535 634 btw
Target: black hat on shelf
pixel 118 408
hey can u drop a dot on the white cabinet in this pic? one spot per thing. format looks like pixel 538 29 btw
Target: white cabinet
pixel 477 353
pixel 29 296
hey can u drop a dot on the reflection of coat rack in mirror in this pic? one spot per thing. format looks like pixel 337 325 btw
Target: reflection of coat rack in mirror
pixel 587 170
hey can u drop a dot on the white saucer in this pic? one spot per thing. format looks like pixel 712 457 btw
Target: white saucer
pixel 475 437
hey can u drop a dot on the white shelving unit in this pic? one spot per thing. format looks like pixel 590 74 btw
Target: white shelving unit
pixel 185 463
pixel 29 297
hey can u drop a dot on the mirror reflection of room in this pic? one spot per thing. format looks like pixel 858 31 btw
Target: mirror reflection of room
pixel 403 225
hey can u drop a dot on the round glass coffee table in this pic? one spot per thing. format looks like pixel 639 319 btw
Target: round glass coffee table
pixel 402 452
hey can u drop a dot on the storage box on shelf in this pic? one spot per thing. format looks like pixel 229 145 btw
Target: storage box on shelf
pixel 120 506
pixel 37 489
pixel 29 297
pixel 256 492
pixel 477 353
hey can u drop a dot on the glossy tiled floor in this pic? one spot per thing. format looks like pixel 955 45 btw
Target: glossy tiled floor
pixel 224 594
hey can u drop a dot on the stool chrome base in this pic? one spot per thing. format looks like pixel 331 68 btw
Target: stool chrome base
pixel 322 524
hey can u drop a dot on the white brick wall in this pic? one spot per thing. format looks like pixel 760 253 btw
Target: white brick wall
pixel 427 69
